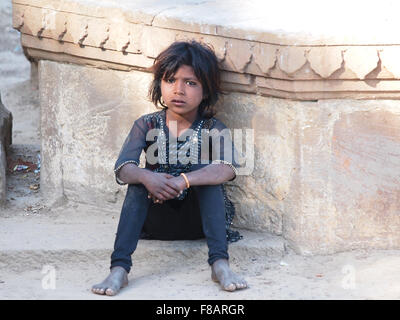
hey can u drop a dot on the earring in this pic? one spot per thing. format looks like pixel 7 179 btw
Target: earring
pixel 162 101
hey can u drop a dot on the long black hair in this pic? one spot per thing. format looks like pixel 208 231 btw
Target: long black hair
pixel 204 62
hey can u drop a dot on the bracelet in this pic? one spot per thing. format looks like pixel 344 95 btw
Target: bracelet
pixel 186 180
pixel 227 163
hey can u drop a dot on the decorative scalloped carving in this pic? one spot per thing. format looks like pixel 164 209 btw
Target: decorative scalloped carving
pixel 135 38
pixel 33 20
pixel 361 60
pixel 77 29
pixel 390 57
pixel 83 34
pixel 325 60
pixel 218 44
pixel 154 40
pixel 265 56
pixel 291 59
pixel 97 33
pixel 238 54
pixel 119 37
pixel 105 38
pixel 62 30
pixel 48 23
pixel 282 67
pixel 18 17
pixel 43 26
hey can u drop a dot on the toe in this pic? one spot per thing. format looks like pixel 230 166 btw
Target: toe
pixel 241 285
pixel 110 292
pixel 240 282
pixel 98 290
pixel 230 287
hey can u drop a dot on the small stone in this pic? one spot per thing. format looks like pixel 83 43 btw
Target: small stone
pixel 34 186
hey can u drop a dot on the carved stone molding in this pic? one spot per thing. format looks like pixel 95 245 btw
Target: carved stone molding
pixel 83 33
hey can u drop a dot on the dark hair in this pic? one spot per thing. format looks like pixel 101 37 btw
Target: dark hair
pixel 204 62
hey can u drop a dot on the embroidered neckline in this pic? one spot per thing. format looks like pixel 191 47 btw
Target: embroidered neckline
pixel 181 147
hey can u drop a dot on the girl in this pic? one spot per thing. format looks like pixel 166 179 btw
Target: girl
pixel 179 194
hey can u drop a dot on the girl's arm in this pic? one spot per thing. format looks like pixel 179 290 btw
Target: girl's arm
pixel 158 184
pixel 132 174
pixel 211 174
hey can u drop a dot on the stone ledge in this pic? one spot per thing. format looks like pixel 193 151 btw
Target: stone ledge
pixel 266 63
pixel 51 241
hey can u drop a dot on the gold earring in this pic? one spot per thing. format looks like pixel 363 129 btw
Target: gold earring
pixel 162 101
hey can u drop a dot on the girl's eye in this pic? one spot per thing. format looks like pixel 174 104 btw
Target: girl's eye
pixel 170 80
pixel 191 83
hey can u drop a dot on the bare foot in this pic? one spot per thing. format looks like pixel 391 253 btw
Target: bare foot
pixel 117 279
pixel 229 281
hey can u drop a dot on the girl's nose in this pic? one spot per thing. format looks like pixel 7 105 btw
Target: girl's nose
pixel 179 87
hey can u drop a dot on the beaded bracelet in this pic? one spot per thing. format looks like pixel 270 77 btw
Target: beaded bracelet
pixel 227 163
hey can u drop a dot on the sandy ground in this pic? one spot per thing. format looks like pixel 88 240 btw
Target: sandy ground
pixel 59 252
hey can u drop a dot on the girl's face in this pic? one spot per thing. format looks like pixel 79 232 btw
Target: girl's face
pixel 183 92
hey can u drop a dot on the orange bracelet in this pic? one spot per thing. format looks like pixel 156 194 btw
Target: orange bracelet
pixel 186 180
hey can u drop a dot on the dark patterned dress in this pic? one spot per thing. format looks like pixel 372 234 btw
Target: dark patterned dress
pixel 178 218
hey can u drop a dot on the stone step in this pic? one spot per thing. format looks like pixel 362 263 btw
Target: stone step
pixel 30 242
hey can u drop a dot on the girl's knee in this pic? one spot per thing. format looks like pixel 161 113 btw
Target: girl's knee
pixel 136 193
pixel 210 193
pixel 137 188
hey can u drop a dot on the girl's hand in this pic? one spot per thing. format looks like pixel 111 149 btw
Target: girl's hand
pixel 154 199
pixel 161 186
pixel 179 181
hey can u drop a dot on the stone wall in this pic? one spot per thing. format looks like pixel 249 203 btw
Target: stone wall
pixel 325 172
pixel 324 111
pixel 5 141
pixel 86 116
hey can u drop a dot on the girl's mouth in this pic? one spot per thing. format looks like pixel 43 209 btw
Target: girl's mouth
pixel 178 102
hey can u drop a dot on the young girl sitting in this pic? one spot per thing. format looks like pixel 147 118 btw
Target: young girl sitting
pixel 179 194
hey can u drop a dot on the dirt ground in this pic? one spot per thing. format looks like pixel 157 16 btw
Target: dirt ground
pixel 59 252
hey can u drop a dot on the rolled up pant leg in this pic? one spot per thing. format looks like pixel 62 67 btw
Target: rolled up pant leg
pixel 133 215
pixel 212 210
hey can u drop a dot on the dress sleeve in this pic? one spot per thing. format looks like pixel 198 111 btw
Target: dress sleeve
pixel 134 143
pixel 223 149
